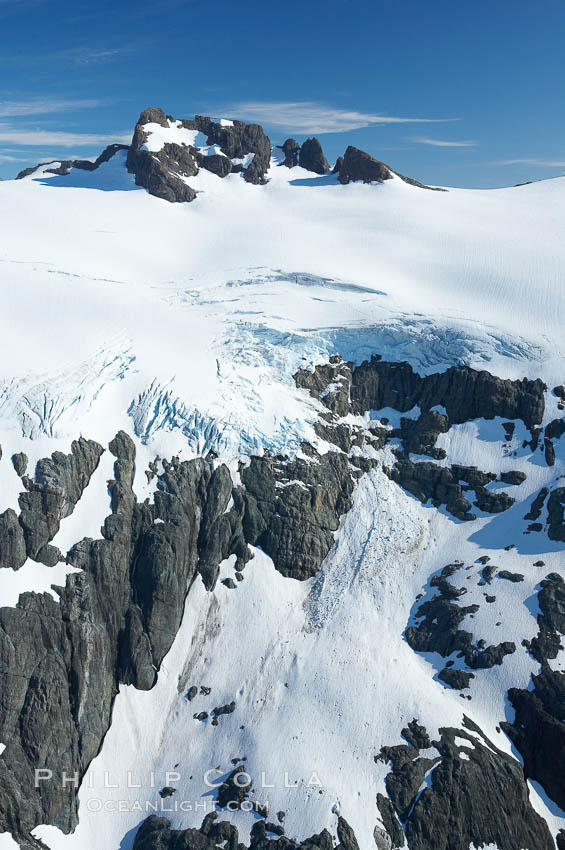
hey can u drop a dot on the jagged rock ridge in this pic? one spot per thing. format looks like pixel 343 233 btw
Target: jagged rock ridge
pixel 241 148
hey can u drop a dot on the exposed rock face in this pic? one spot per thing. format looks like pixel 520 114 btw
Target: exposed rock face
pixel 538 730
pixel 556 514
pixel 12 544
pixel 64 167
pixel 537 504
pixel 473 794
pixel 438 631
pixel 61 663
pixel 440 484
pixel 292 510
pixel 19 461
pixel 157 172
pixel 290 148
pixel 48 498
pixel 359 165
pixel 221 531
pixel 156 834
pixel 464 392
pixel 52 495
pixel 312 157
pixel 510 576
pixel 237 142
pixel 309 156
pixel 234 790
pixel 513 477
pixel 161 172
pixel 555 429
pixel 392 829
pixel 329 383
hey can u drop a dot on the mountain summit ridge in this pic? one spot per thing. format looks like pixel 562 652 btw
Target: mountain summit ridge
pixel 224 147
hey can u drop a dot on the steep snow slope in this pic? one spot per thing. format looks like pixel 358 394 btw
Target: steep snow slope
pixel 184 325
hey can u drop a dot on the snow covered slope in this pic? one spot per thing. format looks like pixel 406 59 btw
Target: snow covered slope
pixel 232 329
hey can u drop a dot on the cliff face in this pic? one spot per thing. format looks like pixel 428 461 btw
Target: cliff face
pixel 116 619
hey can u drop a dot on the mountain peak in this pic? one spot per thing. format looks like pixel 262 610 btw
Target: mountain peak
pixel 166 153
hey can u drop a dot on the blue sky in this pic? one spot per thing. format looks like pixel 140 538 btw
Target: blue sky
pixel 484 79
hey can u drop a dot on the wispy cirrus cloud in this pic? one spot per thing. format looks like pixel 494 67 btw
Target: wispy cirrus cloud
pixel 310 117
pixel 443 143
pixel 94 56
pixel 44 106
pixel 41 138
pixel 544 163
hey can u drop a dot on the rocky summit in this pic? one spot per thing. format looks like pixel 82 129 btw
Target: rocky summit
pixel 282 519
pixel 164 152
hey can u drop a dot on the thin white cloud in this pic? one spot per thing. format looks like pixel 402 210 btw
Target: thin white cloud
pixel 443 143
pixel 44 106
pixel 35 138
pixel 98 57
pixel 304 117
pixel 544 163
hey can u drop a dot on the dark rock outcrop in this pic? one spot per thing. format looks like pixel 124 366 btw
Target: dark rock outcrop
pixel 391 824
pixel 13 552
pixel 312 157
pixel 359 165
pixel 555 429
pixel 156 834
pixel 419 436
pixel 538 729
pixel 556 514
pixel 329 383
pixel 236 142
pixel 161 172
pixel 234 790
pixel 157 172
pixel 292 509
pixel 513 477
pixel 510 576
pixel 437 630
pixel 441 485
pixel 52 495
pixel 464 392
pixel 61 662
pixel 65 166
pixel 473 794
pixel 290 148
pixel 19 462
pixel 456 679
pixel 537 504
